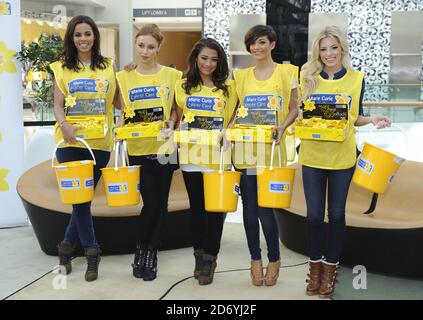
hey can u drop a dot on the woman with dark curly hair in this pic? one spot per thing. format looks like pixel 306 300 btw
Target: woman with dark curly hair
pixel 205 96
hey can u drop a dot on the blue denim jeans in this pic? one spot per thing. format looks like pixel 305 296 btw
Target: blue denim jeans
pixel 80 228
pixel 252 214
pixel 338 182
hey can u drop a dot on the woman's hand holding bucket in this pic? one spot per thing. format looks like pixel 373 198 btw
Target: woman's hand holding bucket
pixel 380 121
pixel 69 132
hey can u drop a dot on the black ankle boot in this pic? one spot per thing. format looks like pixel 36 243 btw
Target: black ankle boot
pixel 93 260
pixel 150 271
pixel 138 266
pixel 207 274
pixel 198 254
pixel 65 252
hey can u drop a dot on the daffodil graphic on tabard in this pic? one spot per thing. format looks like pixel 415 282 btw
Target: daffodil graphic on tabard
pixel 4 186
pixel 154 83
pixel 242 112
pixel 4 8
pixel 309 105
pixel 337 90
pixel 189 117
pixel 101 85
pixel 129 112
pixel 218 105
pixel 162 91
pixel 342 99
pixel 70 101
pixel 273 102
pixel 6 59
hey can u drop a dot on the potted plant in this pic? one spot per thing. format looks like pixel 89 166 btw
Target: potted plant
pixel 37 56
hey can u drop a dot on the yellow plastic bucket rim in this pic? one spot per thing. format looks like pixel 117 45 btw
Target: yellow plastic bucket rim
pixel 381 149
pixel 71 164
pixel 116 169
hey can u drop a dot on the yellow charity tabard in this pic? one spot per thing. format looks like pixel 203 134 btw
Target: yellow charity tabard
pixel 331 154
pixel 152 93
pixel 91 93
pixel 271 94
pixel 205 108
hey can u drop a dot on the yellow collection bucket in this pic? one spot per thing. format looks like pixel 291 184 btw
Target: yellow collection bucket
pixel 274 185
pixel 221 189
pixel 75 178
pixel 376 168
pixel 121 184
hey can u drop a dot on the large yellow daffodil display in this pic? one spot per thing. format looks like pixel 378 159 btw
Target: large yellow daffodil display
pixel 6 59
pixel 4 8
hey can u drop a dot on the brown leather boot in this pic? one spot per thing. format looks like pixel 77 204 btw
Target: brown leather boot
pixel 65 251
pixel 257 276
pixel 328 279
pixel 198 254
pixel 272 273
pixel 93 260
pixel 314 275
pixel 207 273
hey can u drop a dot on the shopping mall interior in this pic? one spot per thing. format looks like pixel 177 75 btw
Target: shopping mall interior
pixel 382 257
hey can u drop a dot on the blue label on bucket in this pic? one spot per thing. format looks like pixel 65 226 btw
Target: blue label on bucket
pixel 236 189
pixel 117 188
pixel 365 165
pixel 89 183
pixel 70 184
pixel 279 187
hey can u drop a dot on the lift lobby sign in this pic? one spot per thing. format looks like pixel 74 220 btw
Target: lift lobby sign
pixel 167 12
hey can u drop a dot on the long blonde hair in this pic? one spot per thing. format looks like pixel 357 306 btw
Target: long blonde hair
pixel 312 68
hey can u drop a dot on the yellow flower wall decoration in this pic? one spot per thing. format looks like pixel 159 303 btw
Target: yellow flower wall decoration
pixel 129 112
pixel 242 112
pixel 189 117
pixel 309 105
pixel 4 8
pixel 6 59
pixel 4 186
pixel 70 101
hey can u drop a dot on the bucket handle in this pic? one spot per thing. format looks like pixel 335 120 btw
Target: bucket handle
pixel 120 147
pixel 392 125
pixel 61 141
pixel 272 154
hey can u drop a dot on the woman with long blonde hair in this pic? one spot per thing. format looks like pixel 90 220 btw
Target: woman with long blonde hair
pixel 329 78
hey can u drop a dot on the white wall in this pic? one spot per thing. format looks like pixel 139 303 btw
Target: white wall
pixel 119 12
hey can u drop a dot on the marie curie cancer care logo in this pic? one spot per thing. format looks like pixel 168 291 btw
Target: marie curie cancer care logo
pixel 117 188
pixel 279 187
pixel 5 8
pixel 365 165
pixel 75 183
pixel 89 85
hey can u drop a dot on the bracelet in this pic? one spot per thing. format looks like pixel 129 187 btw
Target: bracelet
pixel 62 122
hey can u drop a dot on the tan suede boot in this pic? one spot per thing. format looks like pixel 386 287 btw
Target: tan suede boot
pixel 272 273
pixel 328 280
pixel 256 272
pixel 314 277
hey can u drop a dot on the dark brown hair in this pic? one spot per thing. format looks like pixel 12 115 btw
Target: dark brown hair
pixel 70 52
pixel 259 31
pixel 219 76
